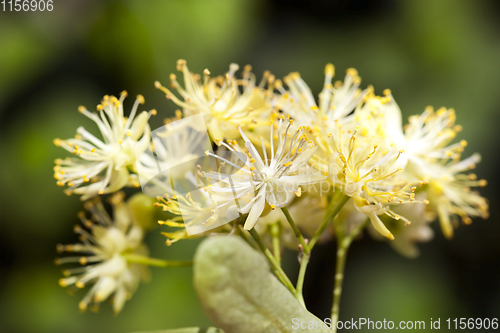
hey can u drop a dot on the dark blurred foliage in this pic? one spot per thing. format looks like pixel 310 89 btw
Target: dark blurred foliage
pixel 442 53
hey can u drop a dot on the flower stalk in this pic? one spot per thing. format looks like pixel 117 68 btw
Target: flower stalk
pixel 280 274
pixel 296 231
pixel 275 234
pixel 332 211
pixel 145 260
pixel 343 243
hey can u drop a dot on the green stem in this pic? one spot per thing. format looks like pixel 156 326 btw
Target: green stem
pixel 300 280
pixel 339 278
pixel 343 244
pixel 296 230
pixel 275 233
pixel 274 264
pixel 144 260
pixel 247 238
pixel 332 211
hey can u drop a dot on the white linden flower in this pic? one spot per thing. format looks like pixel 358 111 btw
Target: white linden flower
pixel 172 156
pixel 102 165
pixel 194 212
pixel 430 156
pixel 102 262
pixel 341 108
pixel 369 176
pixel 336 101
pixel 450 195
pixel 426 137
pixel 224 101
pixel 271 178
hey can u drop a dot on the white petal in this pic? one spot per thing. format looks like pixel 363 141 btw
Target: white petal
pixel 256 210
pixel 119 299
pixel 380 226
pixel 105 287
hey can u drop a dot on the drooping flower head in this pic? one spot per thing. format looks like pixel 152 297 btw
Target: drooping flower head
pixel 101 165
pixel 225 101
pixel 101 262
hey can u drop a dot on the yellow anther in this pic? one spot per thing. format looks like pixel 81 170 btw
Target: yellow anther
pixel 180 64
pixel 140 98
pixel 352 72
pixel 298 193
pixel 329 69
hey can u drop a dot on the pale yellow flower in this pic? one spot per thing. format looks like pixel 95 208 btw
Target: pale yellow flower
pixel 336 101
pixel 225 101
pixel 273 178
pixel 449 192
pixel 430 155
pixel 102 263
pixel 371 178
pixel 101 165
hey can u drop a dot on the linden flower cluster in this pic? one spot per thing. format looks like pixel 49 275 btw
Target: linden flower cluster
pixel 267 158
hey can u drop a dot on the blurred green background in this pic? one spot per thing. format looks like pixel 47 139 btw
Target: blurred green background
pixel 441 53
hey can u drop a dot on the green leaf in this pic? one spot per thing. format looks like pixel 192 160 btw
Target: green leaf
pixel 239 293
pixel 188 330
